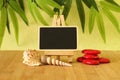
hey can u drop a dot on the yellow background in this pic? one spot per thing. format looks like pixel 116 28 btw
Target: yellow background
pixel 28 35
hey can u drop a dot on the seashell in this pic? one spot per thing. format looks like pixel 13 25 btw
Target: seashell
pixel 31 58
pixel 52 61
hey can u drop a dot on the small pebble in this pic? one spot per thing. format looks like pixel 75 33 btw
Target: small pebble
pixel 91 62
pixel 91 51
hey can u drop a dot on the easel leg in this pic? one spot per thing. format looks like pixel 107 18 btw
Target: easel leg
pixel 58 57
pixel 70 59
pixel 48 56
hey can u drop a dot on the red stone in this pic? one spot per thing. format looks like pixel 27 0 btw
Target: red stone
pixel 91 62
pixel 104 60
pixel 91 56
pixel 80 59
pixel 91 51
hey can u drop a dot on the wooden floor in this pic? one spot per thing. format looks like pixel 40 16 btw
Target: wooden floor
pixel 11 68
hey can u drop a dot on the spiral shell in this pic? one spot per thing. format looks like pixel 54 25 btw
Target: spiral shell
pixel 52 61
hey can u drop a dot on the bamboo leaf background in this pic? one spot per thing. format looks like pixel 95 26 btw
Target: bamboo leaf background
pixel 97 8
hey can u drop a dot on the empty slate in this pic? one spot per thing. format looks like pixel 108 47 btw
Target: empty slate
pixel 57 38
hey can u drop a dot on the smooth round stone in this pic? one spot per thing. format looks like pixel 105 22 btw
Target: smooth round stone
pixel 104 60
pixel 80 59
pixel 91 62
pixel 91 51
pixel 91 56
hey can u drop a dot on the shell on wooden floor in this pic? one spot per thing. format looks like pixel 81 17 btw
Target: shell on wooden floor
pixel 33 58
pixel 52 61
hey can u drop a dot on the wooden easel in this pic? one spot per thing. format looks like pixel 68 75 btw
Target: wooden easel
pixel 59 21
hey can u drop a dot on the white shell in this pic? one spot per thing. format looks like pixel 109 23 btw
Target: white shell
pixel 52 61
pixel 31 58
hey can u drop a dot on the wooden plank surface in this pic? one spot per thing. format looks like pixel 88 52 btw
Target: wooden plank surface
pixel 12 68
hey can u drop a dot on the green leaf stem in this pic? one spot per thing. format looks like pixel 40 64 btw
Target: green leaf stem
pixel 31 9
pixel 18 9
pixel 8 25
pixel 93 3
pixel 87 3
pixel 3 21
pixel 112 2
pixel 67 7
pixel 38 14
pixel 81 13
pixel 15 23
pixel 21 3
pixel 111 17
pixel 1 4
pixel 92 16
pixel 100 24
pixel 110 6
pixel 45 7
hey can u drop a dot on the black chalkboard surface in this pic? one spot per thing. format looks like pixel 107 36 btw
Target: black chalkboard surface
pixel 57 38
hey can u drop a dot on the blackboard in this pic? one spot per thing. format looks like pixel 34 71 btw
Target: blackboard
pixel 57 38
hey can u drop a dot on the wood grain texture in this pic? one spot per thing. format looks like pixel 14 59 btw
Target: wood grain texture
pixel 12 68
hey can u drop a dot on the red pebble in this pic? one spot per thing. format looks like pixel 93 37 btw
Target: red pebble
pixel 104 60
pixel 91 62
pixel 80 59
pixel 91 51
pixel 91 57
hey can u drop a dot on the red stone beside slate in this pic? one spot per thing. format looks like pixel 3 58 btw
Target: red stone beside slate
pixel 91 57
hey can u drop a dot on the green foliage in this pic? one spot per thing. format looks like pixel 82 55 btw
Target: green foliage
pixel 100 24
pixel 3 21
pixel 81 13
pixel 11 7
pixel 67 7
pixel 13 4
pixel 15 23
pixel 111 6
pixel 92 16
pixel 21 3
pixel 45 6
pixel 8 25
pixel 38 14
pixel 111 17
pixel 1 4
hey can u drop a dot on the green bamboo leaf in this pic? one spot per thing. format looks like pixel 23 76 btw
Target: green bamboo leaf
pixel 60 2
pixel 38 14
pixel 15 23
pixel 1 4
pixel 31 9
pixel 92 16
pixel 8 25
pixel 110 6
pixel 90 3
pixel 112 2
pixel 87 3
pixel 52 3
pixel 93 3
pixel 67 7
pixel 81 13
pixel 111 17
pixel 18 9
pixel 3 21
pixel 21 2
pixel 100 24
pixel 45 7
